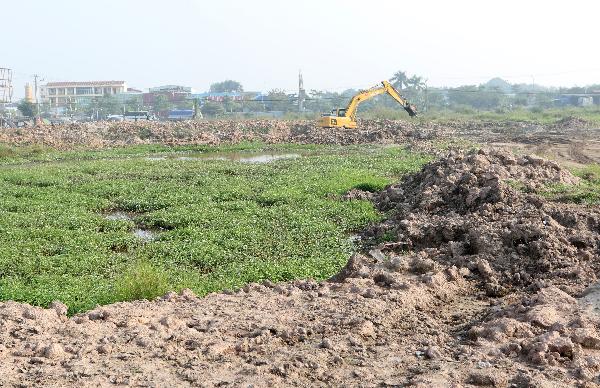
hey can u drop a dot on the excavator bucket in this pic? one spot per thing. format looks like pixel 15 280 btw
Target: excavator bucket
pixel 411 109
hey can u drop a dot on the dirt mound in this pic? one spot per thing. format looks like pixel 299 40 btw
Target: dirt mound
pixel 548 328
pixel 373 325
pixel 470 210
pixel 572 122
pixel 215 132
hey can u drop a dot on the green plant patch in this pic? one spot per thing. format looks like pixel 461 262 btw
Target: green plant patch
pixel 70 228
pixel 586 192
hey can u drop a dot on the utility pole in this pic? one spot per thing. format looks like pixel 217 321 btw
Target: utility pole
pixel 301 92
pixel 37 101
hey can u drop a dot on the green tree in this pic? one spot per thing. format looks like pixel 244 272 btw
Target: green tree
pixel 399 80
pixel 475 96
pixel 185 104
pixel 133 104
pixel 226 86
pixel 253 106
pixel 161 104
pixel 279 101
pixel 109 105
pixel 230 105
pixel 27 108
pixel 211 108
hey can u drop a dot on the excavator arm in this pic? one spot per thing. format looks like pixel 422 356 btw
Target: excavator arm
pixel 346 118
pixel 408 107
pixel 386 87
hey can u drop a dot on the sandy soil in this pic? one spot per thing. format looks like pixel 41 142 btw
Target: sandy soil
pixel 468 282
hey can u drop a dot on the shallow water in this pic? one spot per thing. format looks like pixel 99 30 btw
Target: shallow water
pixel 144 234
pixel 118 216
pixel 241 157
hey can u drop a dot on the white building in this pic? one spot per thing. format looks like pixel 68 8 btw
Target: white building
pixel 80 93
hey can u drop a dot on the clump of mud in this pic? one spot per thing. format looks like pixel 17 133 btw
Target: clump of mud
pixel 548 328
pixel 479 210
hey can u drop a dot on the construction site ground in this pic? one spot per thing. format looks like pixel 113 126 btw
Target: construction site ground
pixel 481 271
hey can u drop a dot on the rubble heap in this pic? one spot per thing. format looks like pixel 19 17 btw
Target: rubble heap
pixel 215 132
pixel 478 210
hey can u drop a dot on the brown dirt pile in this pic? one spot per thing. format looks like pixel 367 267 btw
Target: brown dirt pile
pixel 463 291
pixel 464 210
pixel 215 132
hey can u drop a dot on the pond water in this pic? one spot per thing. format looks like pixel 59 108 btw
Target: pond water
pixel 118 216
pixel 241 157
pixel 143 234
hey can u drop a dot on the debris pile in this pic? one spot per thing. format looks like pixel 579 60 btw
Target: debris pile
pixel 215 132
pixel 470 210
pixel 548 328
pixel 572 122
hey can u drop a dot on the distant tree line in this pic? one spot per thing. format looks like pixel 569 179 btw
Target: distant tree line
pixel 495 95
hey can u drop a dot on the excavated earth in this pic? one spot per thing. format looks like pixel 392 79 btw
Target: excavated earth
pixel 215 132
pixel 572 141
pixel 472 280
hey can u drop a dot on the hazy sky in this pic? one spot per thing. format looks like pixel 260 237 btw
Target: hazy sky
pixel 338 44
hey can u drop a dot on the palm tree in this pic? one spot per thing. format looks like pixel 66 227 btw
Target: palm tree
pixel 417 83
pixel 399 80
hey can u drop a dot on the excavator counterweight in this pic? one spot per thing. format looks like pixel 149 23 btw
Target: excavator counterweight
pixel 346 118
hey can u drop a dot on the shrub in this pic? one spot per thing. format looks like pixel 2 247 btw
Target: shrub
pixel 142 281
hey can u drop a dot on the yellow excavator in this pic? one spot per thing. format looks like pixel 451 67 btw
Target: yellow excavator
pixel 346 118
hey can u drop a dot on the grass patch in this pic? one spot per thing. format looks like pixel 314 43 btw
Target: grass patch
pixel 586 192
pixel 222 224
pixel 141 281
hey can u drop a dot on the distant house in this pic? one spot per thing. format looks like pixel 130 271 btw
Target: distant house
pixel 174 93
pixel 221 96
pixel 578 99
pixel 585 101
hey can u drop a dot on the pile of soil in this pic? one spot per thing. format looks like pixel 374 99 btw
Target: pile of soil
pixel 572 122
pixel 470 210
pixel 470 281
pixel 572 140
pixel 215 132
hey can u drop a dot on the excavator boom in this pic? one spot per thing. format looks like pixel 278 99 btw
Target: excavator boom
pixel 347 117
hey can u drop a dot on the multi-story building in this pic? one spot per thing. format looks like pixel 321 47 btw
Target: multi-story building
pixel 174 93
pixel 171 89
pixel 80 93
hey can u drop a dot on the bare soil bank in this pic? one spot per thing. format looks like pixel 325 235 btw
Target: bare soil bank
pixel 572 141
pixel 469 282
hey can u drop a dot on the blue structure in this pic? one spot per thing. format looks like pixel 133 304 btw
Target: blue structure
pixel 181 114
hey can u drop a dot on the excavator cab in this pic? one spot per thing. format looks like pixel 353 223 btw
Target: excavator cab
pixel 336 118
pixel 335 113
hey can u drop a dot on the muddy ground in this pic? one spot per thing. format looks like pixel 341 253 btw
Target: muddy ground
pixel 471 280
pixel 572 141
